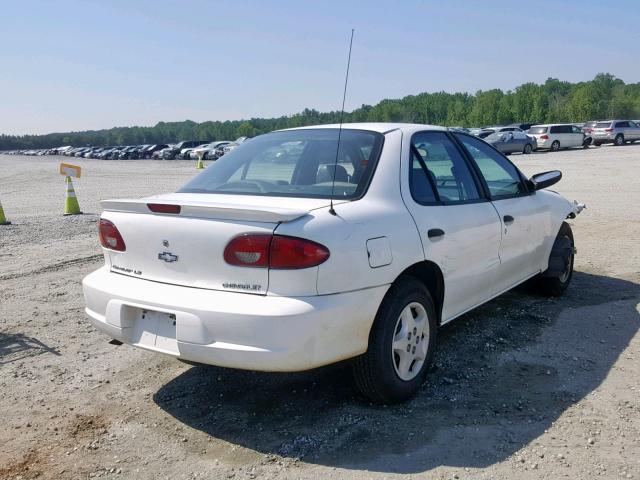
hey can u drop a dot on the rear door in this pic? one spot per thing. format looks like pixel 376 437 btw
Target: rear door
pixel 577 136
pixel 634 131
pixel 524 217
pixel 519 141
pixel 459 229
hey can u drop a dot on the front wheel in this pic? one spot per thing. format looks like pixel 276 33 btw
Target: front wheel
pixel 528 149
pixel 401 344
pixel 556 279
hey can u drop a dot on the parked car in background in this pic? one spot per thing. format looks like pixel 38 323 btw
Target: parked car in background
pixel 207 150
pixel 555 136
pixel 173 152
pixel 233 145
pixel 484 132
pixel 151 149
pixel 159 154
pixel 185 153
pixel 617 132
pixel 512 142
pixel 587 129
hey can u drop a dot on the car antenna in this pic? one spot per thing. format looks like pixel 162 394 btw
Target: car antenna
pixel 344 96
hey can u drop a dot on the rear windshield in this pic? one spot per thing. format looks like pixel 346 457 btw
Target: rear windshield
pixel 295 163
pixel 590 124
pixel 603 124
pixel 537 130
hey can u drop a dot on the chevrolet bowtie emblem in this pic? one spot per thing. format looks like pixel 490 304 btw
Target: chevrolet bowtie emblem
pixel 167 257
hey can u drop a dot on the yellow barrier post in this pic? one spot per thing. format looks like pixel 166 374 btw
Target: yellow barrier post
pixel 200 164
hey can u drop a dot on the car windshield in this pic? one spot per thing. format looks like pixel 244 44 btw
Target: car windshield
pixel 603 124
pixel 537 130
pixel 295 163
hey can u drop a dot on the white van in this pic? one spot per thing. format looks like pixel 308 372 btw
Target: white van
pixel 556 136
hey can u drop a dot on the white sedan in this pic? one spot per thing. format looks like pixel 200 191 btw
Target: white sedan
pixel 250 265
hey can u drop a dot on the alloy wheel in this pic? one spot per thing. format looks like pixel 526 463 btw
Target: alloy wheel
pixel 410 341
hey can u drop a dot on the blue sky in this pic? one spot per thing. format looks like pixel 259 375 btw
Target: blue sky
pixel 76 65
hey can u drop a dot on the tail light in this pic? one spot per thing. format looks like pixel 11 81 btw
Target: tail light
pixel 544 137
pixel 110 236
pixel 608 129
pixel 274 251
pixel 248 251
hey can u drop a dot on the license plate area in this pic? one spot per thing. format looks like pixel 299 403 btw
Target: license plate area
pixel 155 330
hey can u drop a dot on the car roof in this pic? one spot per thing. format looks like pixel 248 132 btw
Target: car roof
pixel 381 127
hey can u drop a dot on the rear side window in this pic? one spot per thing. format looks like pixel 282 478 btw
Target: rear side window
pixel 439 171
pixel 622 124
pixel 537 130
pixel 503 179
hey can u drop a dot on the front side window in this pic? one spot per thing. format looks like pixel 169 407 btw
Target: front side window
pixel 439 172
pixel 503 179
pixel 295 163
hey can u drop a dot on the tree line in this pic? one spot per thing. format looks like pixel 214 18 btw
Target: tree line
pixel 604 97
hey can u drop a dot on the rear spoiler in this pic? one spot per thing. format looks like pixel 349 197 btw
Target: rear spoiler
pixel 220 211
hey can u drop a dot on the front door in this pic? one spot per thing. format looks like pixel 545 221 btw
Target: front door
pixel 459 229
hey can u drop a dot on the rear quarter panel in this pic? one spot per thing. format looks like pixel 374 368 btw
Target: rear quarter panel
pixel 380 213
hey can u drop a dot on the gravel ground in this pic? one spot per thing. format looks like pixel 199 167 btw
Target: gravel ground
pixel 523 387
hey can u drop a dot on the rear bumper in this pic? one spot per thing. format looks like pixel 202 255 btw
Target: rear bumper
pixel 603 138
pixel 229 329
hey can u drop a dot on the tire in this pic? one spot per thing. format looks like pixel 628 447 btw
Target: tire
pixel 554 285
pixel 596 144
pixel 527 149
pixel 383 374
pixel 555 146
pixel 619 141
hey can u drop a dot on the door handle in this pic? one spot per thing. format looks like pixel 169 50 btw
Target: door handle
pixel 508 219
pixel 435 233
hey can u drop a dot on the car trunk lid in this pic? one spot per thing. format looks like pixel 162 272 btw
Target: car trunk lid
pixel 187 248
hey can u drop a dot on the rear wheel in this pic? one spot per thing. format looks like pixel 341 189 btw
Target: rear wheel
pixel 619 140
pixel 527 149
pixel 555 146
pixel 597 144
pixel 401 344
pixel 556 279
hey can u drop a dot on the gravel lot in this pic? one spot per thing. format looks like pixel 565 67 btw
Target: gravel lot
pixel 523 387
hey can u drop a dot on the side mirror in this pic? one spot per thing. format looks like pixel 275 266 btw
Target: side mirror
pixel 545 179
